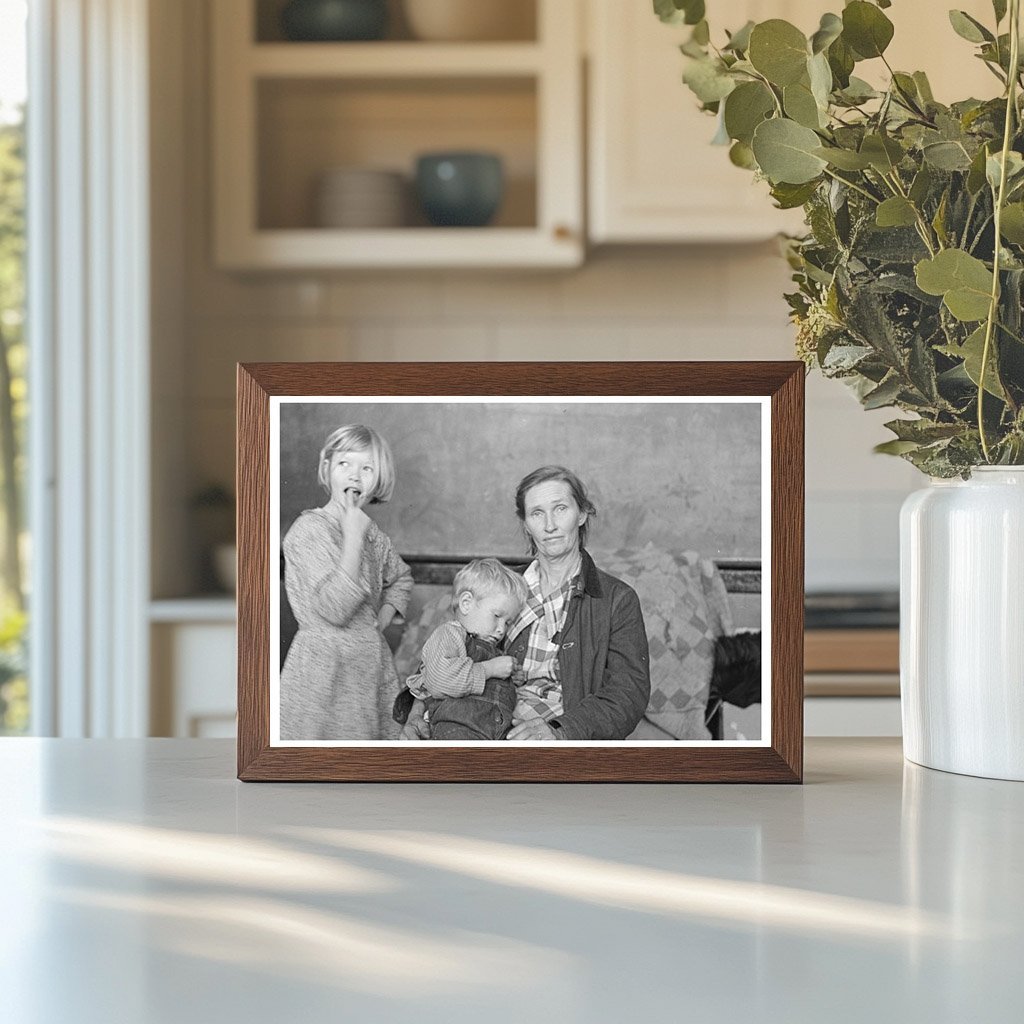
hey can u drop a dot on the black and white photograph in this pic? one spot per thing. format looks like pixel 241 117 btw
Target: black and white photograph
pixel 489 570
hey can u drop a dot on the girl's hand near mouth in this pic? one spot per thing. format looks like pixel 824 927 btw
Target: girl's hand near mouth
pixel 354 524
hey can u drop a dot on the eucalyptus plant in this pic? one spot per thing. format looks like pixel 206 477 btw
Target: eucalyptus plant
pixel 910 278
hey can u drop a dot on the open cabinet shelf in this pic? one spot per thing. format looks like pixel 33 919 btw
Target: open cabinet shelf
pixel 394 60
pixel 287 114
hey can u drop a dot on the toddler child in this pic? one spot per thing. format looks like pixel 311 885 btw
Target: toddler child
pixel 468 686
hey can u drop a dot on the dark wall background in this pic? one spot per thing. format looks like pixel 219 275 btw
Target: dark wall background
pixel 682 476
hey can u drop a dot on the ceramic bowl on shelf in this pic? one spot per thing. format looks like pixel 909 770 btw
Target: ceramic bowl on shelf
pixel 470 20
pixel 334 20
pixel 361 198
pixel 460 189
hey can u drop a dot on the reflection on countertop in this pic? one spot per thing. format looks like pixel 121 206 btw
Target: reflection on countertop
pixel 598 903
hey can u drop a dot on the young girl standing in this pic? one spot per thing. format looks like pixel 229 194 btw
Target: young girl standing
pixel 345 583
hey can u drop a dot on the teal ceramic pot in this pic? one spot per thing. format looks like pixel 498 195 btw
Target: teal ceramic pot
pixel 460 189
pixel 334 20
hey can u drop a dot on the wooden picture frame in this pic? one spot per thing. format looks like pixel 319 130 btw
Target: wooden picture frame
pixel 778 388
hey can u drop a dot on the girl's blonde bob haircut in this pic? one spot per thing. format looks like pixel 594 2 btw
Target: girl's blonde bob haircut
pixel 354 437
pixel 485 576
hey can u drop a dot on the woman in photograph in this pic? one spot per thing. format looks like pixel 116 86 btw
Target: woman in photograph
pixel 345 584
pixel 580 638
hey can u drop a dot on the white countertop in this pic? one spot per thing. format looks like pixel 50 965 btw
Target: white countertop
pixel 143 884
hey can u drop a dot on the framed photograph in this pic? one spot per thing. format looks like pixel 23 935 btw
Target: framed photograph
pixel 518 572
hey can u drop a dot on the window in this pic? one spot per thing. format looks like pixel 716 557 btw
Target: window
pixel 14 547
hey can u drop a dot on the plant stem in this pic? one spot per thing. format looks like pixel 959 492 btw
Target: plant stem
pixel 922 225
pixel 981 231
pixel 993 308
pixel 771 90
pixel 855 187
pixel 970 215
pixel 908 101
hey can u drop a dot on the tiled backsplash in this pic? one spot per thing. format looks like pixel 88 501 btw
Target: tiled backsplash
pixel 701 303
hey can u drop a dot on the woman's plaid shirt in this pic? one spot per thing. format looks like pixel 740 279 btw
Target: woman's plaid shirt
pixel 540 696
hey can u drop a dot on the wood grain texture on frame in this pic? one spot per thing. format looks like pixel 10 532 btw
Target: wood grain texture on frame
pixel 782 761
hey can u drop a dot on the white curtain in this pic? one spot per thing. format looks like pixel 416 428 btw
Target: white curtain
pixel 88 320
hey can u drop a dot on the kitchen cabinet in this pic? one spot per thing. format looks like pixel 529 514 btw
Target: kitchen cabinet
pixel 287 113
pixel 653 175
pixel 192 653
pixel 851 673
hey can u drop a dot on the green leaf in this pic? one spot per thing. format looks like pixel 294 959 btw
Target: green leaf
pixel 694 11
pixel 778 50
pixel 896 212
pixel 968 28
pixel 707 80
pixel 994 167
pixel 939 220
pixel 924 88
pixel 946 156
pixel 895 447
pixel 785 152
pixel 997 53
pixel 701 33
pixel 841 60
pixel 921 185
pixel 866 29
pixel 976 175
pixel 668 12
pixel 676 12
pixel 923 431
pixel 971 352
pixel 967 304
pixel 896 245
pixel 858 91
pixel 745 108
pixel 1011 225
pixel 844 159
pixel 822 222
pixel 800 105
pixel 883 153
pixel 921 369
pixel 963 281
pixel 885 394
pixel 742 155
pixel 820 75
pixel 906 88
pixel 999 7
pixel 739 41
pixel 789 197
pixel 743 67
pixel 984 118
pixel 830 28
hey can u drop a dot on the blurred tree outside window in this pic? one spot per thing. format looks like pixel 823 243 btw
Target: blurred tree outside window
pixel 14 546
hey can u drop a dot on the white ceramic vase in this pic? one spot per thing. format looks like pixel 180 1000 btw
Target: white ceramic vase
pixel 962 624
